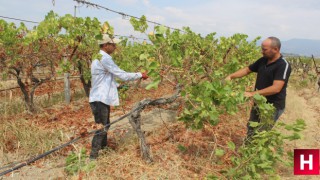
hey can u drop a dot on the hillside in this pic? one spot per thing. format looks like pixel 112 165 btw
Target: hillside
pixel 305 47
pixel 299 47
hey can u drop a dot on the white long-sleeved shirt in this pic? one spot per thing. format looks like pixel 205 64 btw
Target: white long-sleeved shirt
pixel 103 83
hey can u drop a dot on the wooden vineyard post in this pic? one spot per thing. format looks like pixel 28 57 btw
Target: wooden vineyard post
pixel 67 91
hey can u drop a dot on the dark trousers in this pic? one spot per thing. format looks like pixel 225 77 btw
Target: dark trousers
pixel 254 117
pixel 101 113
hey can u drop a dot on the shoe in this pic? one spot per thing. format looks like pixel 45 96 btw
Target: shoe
pixel 104 148
pixel 93 157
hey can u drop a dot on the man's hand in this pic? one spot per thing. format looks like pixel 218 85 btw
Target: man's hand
pixel 249 94
pixel 144 76
pixel 238 74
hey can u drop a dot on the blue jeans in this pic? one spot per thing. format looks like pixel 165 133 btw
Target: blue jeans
pixel 254 117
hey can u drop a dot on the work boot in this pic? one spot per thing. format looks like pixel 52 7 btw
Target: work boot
pixel 93 156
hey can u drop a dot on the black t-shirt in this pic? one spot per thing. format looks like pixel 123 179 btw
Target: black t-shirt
pixel 278 70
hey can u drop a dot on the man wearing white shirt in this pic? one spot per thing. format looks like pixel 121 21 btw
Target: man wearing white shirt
pixel 104 92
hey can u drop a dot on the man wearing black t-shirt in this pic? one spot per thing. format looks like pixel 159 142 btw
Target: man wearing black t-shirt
pixel 273 73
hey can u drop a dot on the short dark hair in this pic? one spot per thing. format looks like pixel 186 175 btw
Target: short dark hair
pixel 275 42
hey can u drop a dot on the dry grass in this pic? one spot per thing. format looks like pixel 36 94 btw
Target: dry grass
pixel 11 107
pixel 299 83
pixel 302 102
pixel 122 160
pixel 49 94
pixel 195 161
pixel 24 138
pixel 126 163
pixel 8 84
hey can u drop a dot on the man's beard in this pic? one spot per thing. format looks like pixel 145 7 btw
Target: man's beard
pixel 269 57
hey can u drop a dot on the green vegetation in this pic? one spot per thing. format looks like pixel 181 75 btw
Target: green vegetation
pixel 198 64
pixel 77 162
pixel 260 156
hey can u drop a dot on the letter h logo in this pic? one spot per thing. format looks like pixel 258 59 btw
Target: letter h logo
pixel 306 162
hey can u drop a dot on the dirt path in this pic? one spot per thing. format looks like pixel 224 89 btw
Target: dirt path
pixel 45 170
pixel 303 104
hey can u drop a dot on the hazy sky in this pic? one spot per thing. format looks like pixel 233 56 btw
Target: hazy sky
pixel 285 19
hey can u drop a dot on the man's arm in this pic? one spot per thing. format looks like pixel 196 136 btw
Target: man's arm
pixel 271 90
pixel 111 67
pixel 238 74
pixel 281 75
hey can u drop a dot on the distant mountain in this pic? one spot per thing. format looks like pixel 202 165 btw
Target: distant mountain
pixel 305 47
pixel 302 47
